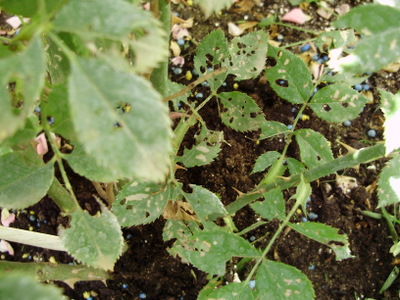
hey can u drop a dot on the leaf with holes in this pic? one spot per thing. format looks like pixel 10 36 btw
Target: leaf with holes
pixel 232 291
pixel 210 54
pixel 94 240
pixel 247 55
pixel 272 207
pixel 390 105
pixel 240 112
pixel 265 160
pixel 206 204
pixel 116 20
pixel 314 147
pixel 142 202
pixel 133 140
pixel 272 128
pixel 326 235
pixel 389 183
pixel 279 281
pixel 335 39
pixel 174 87
pixel 337 103
pixel 290 77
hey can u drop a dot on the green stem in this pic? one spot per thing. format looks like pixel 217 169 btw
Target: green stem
pixel 298 43
pixel 62 198
pixel 297 28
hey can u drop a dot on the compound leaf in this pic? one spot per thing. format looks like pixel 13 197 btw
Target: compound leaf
pixel 390 105
pixel 265 160
pixel 337 103
pixel 94 240
pixel 272 207
pixel 272 128
pixel 389 183
pixel 233 291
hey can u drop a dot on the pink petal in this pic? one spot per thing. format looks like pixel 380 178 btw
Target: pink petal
pixel 297 16
pixel 7 218
pixel 178 61
pixel 179 32
pixel 6 247
pixel 41 147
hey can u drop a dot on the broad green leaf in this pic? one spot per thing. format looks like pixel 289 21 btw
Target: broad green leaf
pixel 115 20
pixel 142 202
pixel 94 240
pixel 240 112
pixel 326 235
pixel 248 55
pixel 337 103
pixel 272 207
pixel 181 231
pixel 294 166
pixel 290 77
pixel 210 54
pixel 210 6
pixel 278 281
pixel 335 39
pixel 204 152
pixel 389 183
pixel 314 148
pixel 88 167
pixel 57 107
pixel 390 105
pixel 25 134
pixel 27 8
pixel 233 291
pixel 14 285
pixel 265 160
pixel 135 141
pixel 174 87
pixel 343 78
pixel 22 183
pixel 370 19
pixel 395 249
pixel 26 71
pixel 272 128
pixel 57 62
pixel 206 204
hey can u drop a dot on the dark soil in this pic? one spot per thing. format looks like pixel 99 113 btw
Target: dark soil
pixel 146 267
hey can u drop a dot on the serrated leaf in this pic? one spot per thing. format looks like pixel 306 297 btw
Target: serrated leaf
pixel 326 235
pixel 93 240
pixel 14 285
pixel 290 78
pixel 294 166
pixel 389 183
pixel 134 142
pixel 22 184
pixel 115 20
pixel 26 70
pixel 211 53
pixel 337 103
pixel 272 128
pixel 278 281
pixel 232 291
pixel 206 204
pixel 27 8
pixel 248 55
pixel 314 148
pixel 390 105
pixel 210 6
pixel 240 112
pixel 272 207
pixel 265 160
pixel 335 39
pixel 303 193
pixel 174 87
pixel 142 202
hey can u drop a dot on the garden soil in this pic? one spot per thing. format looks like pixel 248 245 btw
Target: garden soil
pixel 147 271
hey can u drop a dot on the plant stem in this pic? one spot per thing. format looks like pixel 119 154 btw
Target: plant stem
pixel 62 198
pixel 297 28
pixel 298 43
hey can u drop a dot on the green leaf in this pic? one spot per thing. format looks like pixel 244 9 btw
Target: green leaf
pixel 395 249
pixel 240 112
pixel 247 55
pixel 290 77
pixel 26 70
pixel 211 53
pixel 133 142
pixel 115 20
pixel 337 103
pixel 210 6
pixel 390 105
pixel 23 183
pixel 232 291
pixel 272 128
pixel 278 281
pixel 272 207
pixel 15 286
pixel 294 166
pixel 204 151
pixel 174 87
pixel 326 235
pixel 335 39
pixel 389 183
pixel 303 193
pixel 27 8
pixel 57 62
pixel 206 204
pixel 94 240
pixel 265 160
pixel 314 148
pixel 142 202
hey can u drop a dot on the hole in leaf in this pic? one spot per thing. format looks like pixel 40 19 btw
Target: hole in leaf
pixel 129 207
pixel 270 62
pixel 253 115
pixel 282 82
pixel 318 157
pixel 122 202
pixel 345 104
pixel 117 125
pixel 327 107
pixel 147 214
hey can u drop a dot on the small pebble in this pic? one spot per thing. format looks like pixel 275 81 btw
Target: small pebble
pixel 252 238
pixel 124 286
pixel 177 71
pixel 279 37
pixel 325 58
pixel 305 48
pixel 38 109
pixel 252 284
pixel 205 84
pixel 181 42
pixel 312 216
pixel 50 120
pixel 129 236
pixel 371 133
pixel 304 219
pixel 175 13
pixel 365 87
pixel 315 57
pixel 199 95
pixel 142 296
pixel 210 69
pixel 312 267
pixel 358 87
pixel 194 72
pixel 32 218
pixel 347 123
pixel 224 84
pixel 320 61
pixel 290 126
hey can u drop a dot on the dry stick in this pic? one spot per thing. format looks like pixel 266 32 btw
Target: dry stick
pixel 193 84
